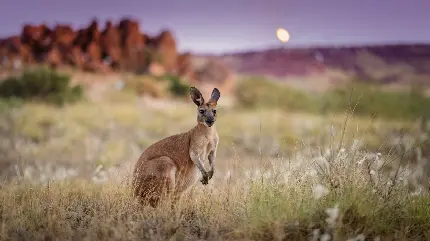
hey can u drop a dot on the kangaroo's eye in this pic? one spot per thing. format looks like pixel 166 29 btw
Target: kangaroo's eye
pixel 201 111
pixel 214 111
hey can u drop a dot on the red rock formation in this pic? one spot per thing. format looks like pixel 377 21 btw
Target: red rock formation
pixel 35 37
pixel 32 34
pixel 93 51
pixel 132 45
pixel 111 45
pixel 75 56
pixel 165 49
pixel 185 66
pixel 63 35
pixel 122 46
pixel 54 57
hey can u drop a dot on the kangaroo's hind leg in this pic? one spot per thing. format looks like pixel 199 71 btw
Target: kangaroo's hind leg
pixel 155 180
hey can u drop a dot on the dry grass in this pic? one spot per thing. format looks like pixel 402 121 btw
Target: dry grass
pixel 279 175
pixel 276 202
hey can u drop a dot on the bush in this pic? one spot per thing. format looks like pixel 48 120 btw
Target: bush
pixel 41 84
pixel 177 86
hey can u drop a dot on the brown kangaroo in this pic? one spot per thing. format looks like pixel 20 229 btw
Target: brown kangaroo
pixel 170 166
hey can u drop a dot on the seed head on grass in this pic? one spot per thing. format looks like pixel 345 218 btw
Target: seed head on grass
pixel 319 191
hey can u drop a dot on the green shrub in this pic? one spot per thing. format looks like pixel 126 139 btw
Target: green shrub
pixel 177 86
pixel 41 84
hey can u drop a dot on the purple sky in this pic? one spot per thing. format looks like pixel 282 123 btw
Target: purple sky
pixel 233 25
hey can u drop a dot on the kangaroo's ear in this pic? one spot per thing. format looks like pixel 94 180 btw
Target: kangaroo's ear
pixel 214 97
pixel 196 96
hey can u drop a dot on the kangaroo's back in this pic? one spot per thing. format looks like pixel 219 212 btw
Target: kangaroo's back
pixel 175 147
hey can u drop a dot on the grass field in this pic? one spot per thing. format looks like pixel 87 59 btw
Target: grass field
pixel 280 174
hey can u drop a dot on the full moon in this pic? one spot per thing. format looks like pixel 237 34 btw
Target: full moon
pixel 282 35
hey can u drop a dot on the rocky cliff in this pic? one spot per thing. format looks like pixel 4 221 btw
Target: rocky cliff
pixel 122 46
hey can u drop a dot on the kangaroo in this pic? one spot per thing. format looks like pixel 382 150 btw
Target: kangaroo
pixel 171 165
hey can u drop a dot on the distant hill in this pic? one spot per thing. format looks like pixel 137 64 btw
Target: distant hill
pixel 384 64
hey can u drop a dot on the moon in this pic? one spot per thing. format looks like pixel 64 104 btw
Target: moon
pixel 283 35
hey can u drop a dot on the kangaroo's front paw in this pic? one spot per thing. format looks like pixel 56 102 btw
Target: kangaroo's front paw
pixel 210 174
pixel 205 178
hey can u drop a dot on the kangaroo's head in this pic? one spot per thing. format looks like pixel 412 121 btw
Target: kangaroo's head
pixel 206 111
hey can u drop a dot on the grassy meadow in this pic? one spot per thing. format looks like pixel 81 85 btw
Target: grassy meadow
pixel 291 165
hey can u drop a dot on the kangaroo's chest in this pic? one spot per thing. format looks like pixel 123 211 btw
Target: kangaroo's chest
pixel 211 145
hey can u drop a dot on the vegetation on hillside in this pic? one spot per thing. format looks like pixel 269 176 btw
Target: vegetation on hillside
pixel 367 100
